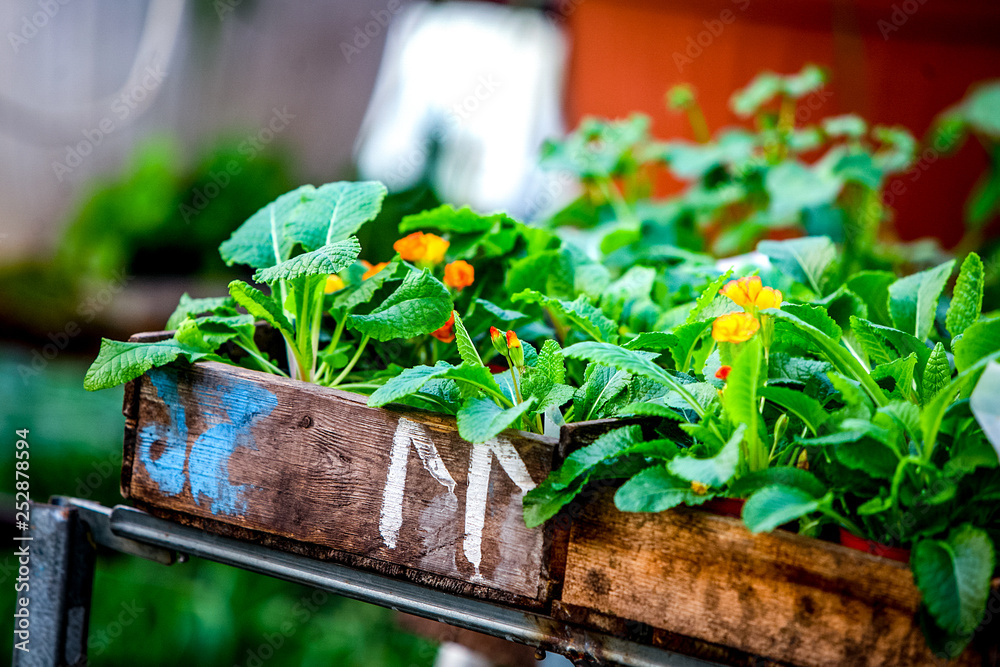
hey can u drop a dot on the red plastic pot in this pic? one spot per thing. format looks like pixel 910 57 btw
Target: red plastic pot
pixel 725 506
pixel 852 541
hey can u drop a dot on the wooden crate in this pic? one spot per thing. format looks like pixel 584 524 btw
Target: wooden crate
pixel 314 470
pixel 772 597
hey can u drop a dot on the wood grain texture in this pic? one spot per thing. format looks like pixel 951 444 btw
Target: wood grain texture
pixel 779 596
pixel 310 464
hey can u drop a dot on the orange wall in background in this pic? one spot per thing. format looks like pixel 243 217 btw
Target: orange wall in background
pixel 891 62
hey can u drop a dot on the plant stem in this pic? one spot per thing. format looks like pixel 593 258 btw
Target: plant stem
pixel 354 360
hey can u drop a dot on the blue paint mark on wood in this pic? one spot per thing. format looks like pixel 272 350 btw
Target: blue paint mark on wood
pixel 241 405
pixel 167 470
pixel 244 404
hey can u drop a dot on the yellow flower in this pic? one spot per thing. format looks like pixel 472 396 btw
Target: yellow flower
pixel 372 270
pixel 459 274
pixel 698 488
pixel 750 293
pixel 426 249
pixel 734 328
pixel 333 284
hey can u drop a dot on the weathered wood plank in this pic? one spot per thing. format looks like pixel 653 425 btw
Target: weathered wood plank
pixel 316 466
pixel 779 596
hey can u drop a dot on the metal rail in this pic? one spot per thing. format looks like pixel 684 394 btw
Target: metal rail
pixel 134 532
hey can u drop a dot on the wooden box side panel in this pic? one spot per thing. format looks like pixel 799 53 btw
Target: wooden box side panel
pixel 316 465
pixel 779 595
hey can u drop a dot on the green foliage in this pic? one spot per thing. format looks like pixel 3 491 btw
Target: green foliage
pixel 967 302
pixel 913 300
pixel 419 305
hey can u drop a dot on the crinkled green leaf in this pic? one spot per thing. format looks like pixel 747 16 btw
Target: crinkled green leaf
pixel 885 344
pixel 420 305
pixel 967 299
pixel 780 476
pixel 707 296
pixel 331 258
pixel 334 212
pixel 118 362
pixel 609 445
pixel 209 332
pixel 353 296
pixel 408 382
pixel 188 307
pixel 466 348
pixel 446 218
pixel 580 312
pixel 901 373
pixel 600 385
pixel 261 306
pixel 480 419
pixel 261 242
pixel 913 300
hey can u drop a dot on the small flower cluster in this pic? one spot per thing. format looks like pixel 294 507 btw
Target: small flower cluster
pixel 753 297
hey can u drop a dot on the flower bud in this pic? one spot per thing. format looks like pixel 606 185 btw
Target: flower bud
pixel 514 349
pixel 499 343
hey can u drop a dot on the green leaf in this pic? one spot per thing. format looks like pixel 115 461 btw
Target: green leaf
pixel 353 296
pixel 580 312
pixel 967 299
pixel 842 360
pixel 784 476
pixel 261 306
pixel 873 287
pixel 480 419
pixel 648 409
pixel 119 362
pixel 188 307
pixel 475 381
pixel 466 348
pixel 408 382
pixel 714 471
pixel 544 502
pixel 209 332
pixel 334 212
pixel 773 506
pixel 885 344
pixel 420 305
pixel 446 218
pixel 632 362
pixel 901 373
pixel 817 316
pixel 608 446
pixel 806 260
pixel 331 258
pixel 549 370
pixel 502 315
pixel 740 398
pixel 954 577
pixel 913 300
pixel 802 406
pixel 656 490
pixel 979 340
pixel 794 187
pixel 707 297
pixel 600 385
pixel 933 412
pixel 260 242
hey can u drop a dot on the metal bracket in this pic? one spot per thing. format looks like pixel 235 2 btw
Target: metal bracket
pixel 97 518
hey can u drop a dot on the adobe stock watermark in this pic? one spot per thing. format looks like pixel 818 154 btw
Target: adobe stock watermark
pixel 100 640
pixel 901 13
pixel 59 340
pixel 714 28
pixel 363 35
pixel 303 611
pixel 30 25
pixel 122 108
pixel 251 147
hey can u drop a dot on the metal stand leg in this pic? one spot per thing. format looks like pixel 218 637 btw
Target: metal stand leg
pixel 60 561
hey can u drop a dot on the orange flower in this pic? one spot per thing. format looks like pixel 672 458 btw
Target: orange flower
pixel 446 334
pixel 426 249
pixel 499 343
pixel 750 293
pixel 734 327
pixel 372 270
pixel 723 372
pixel 459 274
pixel 333 284
pixel 512 339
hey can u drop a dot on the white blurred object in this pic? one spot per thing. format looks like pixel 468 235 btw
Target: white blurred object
pixel 485 82
pixel 451 654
